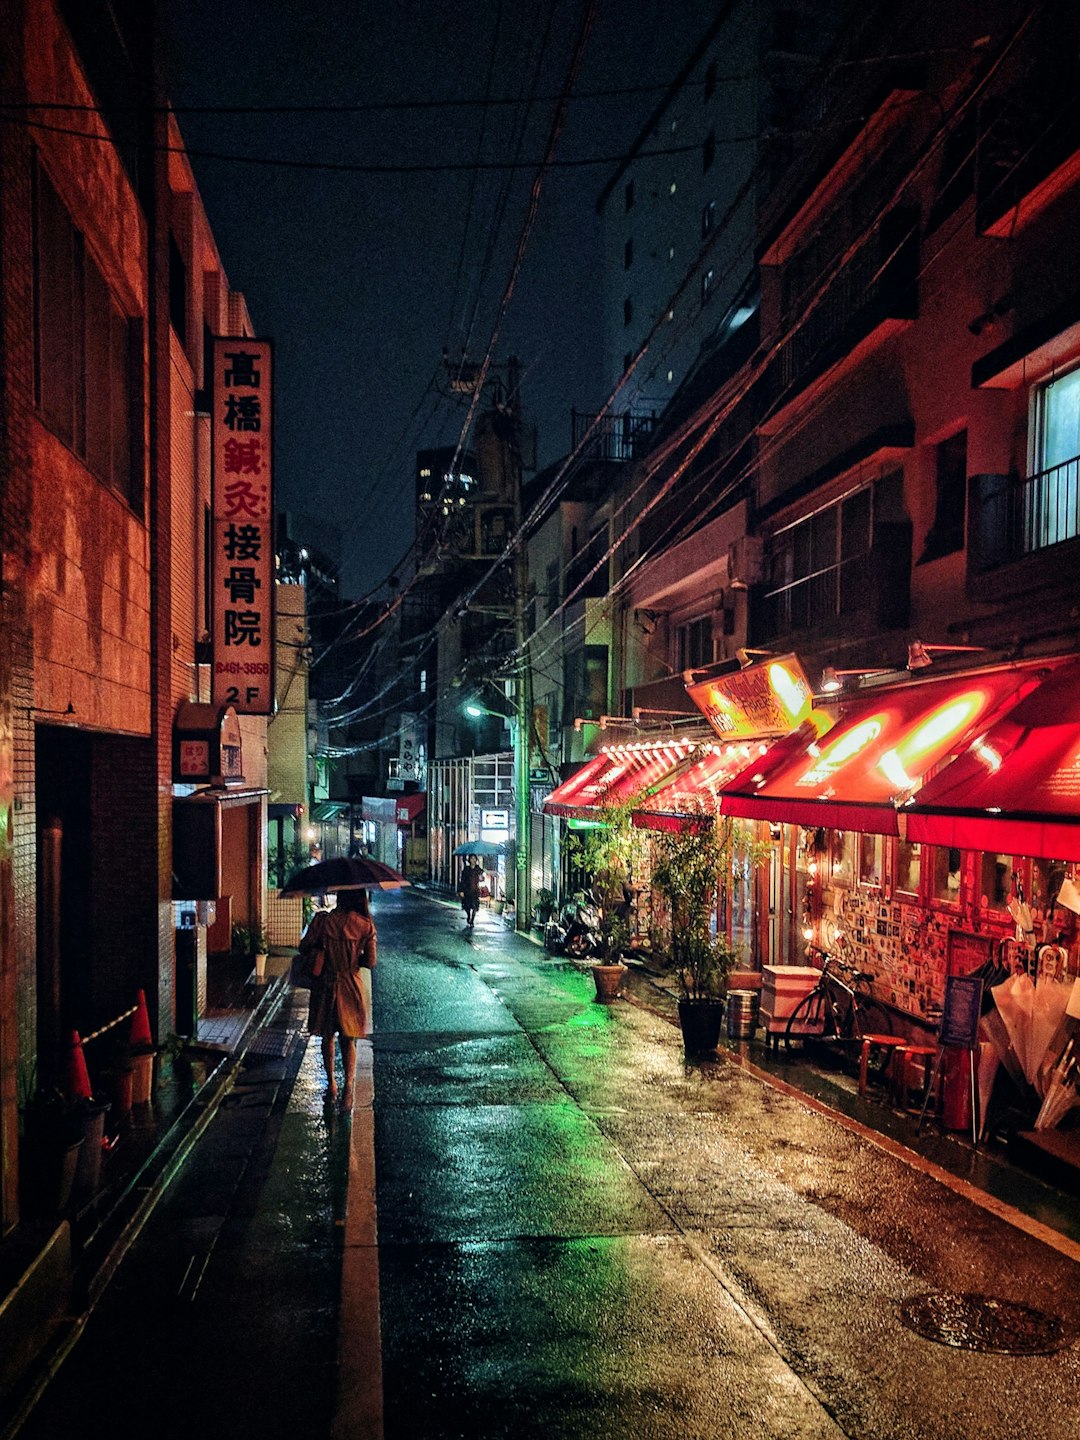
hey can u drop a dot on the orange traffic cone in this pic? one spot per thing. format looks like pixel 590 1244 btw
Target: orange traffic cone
pixel 78 1078
pixel 140 1023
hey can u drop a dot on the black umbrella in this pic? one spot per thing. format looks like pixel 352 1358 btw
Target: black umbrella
pixel 358 872
pixel 483 848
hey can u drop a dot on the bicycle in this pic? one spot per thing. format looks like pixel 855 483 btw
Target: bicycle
pixel 840 1011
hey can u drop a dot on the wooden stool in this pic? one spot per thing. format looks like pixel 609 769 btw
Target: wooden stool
pixel 904 1053
pixel 888 1041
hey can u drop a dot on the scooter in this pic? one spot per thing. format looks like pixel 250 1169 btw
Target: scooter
pixel 575 931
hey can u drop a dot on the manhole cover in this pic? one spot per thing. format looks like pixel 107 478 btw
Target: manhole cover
pixel 979 1322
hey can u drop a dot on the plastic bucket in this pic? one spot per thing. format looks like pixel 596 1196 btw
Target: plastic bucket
pixel 742 1013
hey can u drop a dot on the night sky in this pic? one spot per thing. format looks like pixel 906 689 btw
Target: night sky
pixel 363 279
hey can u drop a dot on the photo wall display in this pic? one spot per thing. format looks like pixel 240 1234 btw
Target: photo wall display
pixel 903 945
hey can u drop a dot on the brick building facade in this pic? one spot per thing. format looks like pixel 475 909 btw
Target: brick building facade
pixel 111 282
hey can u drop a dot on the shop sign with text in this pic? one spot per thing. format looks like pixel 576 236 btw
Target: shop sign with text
pixel 242 571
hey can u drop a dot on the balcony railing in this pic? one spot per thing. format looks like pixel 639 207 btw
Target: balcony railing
pixel 875 584
pixel 1012 516
pixel 877 284
pixel 616 437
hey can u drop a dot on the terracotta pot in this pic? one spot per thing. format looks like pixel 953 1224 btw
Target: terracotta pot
pixel 142 1077
pixel 123 1087
pixel 608 979
pixel 700 1022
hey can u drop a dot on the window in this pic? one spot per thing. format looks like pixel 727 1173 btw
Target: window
pixel 695 644
pixel 707 278
pixel 84 378
pixel 871 859
pixel 1052 510
pixel 996 879
pixel 708 152
pixel 908 866
pixel 840 857
pixel 628 195
pixel 946 874
pixel 708 219
pixel 178 288
pixel 627 360
pixel 585 680
pixel 628 253
pixel 627 310
pixel 950 472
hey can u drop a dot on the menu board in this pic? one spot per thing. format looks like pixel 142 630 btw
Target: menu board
pixel 961 1011
pixel 967 951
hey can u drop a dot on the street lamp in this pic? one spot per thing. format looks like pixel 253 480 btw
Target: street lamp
pixel 518 720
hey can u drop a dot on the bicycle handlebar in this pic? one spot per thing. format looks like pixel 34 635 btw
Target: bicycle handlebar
pixel 834 962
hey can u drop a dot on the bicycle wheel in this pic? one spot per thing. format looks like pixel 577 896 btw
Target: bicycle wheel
pixel 873 1019
pixel 810 1019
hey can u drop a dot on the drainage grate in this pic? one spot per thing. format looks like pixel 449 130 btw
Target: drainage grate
pixel 277 1043
pixel 979 1322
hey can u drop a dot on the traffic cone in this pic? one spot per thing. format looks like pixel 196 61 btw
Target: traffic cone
pixel 140 1023
pixel 78 1078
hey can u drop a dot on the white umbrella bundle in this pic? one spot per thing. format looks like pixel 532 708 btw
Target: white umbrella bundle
pixel 1061 1092
pixel 1030 1032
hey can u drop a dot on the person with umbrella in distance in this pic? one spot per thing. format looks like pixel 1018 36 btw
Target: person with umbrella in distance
pixel 343 942
pixel 469 887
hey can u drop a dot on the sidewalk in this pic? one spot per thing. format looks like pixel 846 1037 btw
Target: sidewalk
pixel 52 1272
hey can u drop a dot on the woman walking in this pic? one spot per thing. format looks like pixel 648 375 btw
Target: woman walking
pixel 469 888
pixel 345 937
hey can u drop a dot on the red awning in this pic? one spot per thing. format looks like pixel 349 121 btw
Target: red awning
pixel 1016 790
pixel 613 776
pixel 408 807
pixel 692 790
pixel 883 745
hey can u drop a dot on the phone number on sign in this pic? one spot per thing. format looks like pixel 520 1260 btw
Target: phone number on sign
pixel 234 667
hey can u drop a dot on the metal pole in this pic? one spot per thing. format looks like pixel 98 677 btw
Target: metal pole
pixel 523 683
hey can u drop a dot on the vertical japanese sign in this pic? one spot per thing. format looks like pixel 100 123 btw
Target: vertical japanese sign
pixel 242 621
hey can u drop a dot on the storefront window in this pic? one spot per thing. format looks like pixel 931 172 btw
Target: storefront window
pixel 946 874
pixel 996 879
pixel 1046 878
pixel 842 847
pixel 908 866
pixel 871 859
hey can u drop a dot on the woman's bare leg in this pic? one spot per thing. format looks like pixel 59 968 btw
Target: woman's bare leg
pixel 328 1065
pixel 348 1061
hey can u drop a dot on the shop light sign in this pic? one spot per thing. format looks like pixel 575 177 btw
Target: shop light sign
pixel 242 571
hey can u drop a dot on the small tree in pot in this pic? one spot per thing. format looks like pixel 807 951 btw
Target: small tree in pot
pixel 609 853
pixel 693 863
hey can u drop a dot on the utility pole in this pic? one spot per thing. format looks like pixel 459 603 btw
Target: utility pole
pixel 523 680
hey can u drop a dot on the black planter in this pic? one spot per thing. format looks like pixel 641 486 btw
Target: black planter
pixel 701 1022
pixel 48 1158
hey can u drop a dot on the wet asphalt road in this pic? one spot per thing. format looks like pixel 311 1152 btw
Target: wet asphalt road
pixel 578 1236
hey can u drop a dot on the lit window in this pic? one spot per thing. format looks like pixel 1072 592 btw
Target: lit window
pixel 946 874
pixel 671 252
pixel 672 188
pixel 708 218
pixel 871 859
pixel 670 376
pixel 908 866
pixel 707 278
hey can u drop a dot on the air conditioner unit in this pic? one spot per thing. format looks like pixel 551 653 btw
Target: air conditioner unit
pixel 744 561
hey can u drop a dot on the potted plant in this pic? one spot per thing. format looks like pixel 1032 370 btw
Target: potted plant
pixel 250 942
pixel 609 853
pixel 693 864
pixel 608 970
pixel 50 1141
pixel 545 906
